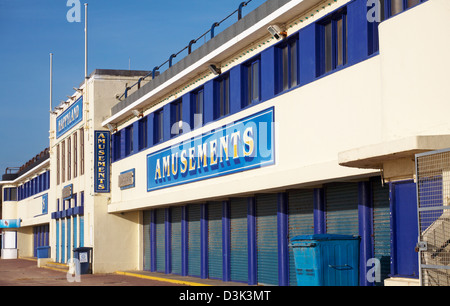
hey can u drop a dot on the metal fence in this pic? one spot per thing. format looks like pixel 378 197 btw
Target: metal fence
pixel 433 199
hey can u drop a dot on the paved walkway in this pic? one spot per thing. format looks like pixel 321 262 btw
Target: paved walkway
pixel 24 272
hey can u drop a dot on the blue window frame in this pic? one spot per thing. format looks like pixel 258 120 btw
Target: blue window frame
pixel 197 108
pixel 143 122
pixel 158 127
pixel 332 38
pixel 252 82
pixel 222 96
pixel 388 8
pixel 116 145
pixel 128 140
pixel 287 64
pixel 176 116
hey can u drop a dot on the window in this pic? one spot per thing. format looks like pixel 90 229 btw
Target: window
pixel 222 104
pixel 75 155
pixel 388 8
pixel 63 161
pixel 116 144
pixel 333 42
pixel 81 151
pixel 57 165
pixel 142 133
pixel 176 120
pixel 287 65
pixel 252 82
pixel 197 108
pixel 69 158
pixel 128 140
pixel 10 194
pixel 158 127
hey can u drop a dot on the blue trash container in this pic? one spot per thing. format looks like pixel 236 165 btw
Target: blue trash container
pixel 43 252
pixel 84 256
pixel 326 260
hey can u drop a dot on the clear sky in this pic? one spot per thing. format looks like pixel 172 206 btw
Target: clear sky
pixel 136 34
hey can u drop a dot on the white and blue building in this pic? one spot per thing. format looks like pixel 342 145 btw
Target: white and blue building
pixel 215 164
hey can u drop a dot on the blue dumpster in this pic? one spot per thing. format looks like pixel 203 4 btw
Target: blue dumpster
pixel 84 256
pixel 326 260
pixel 43 252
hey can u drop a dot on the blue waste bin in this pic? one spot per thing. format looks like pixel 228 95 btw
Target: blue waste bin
pixel 43 252
pixel 84 256
pixel 326 260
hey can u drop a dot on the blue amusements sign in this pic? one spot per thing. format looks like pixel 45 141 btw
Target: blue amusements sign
pixel 243 145
pixel 69 118
pixel 102 164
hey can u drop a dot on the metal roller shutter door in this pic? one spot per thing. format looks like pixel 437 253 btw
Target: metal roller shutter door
pixel 160 241
pixel 176 240
pixel 342 208
pixel 300 222
pixel 146 236
pixel 215 240
pixel 194 252
pixel 239 240
pixel 267 239
pixel 381 227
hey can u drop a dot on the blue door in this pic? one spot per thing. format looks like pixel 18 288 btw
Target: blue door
pixel 63 241
pixel 57 240
pixel 405 229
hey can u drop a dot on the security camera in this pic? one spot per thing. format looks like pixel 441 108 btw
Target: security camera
pixel 276 32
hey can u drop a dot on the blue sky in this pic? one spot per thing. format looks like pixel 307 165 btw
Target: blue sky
pixel 139 34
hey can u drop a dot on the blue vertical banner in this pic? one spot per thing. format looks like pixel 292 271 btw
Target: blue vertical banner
pixel 102 161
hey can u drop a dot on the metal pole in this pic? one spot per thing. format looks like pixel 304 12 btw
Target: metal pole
pixel 85 41
pixel 51 80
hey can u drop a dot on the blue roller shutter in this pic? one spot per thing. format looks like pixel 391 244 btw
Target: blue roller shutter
pixel 300 222
pixel 194 253
pixel 239 240
pixel 57 240
pixel 63 241
pixel 146 236
pixel 267 239
pixel 160 241
pixel 342 208
pixel 176 240
pixel 69 253
pixel 215 240
pixel 381 227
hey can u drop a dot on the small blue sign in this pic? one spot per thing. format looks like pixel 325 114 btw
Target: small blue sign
pixel 101 161
pixel 243 145
pixel 69 118
pixel 45 204
pixel 13 223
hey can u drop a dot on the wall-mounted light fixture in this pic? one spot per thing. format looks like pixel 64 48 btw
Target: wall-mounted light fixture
pixel 276 32
pixel 213 68
pixel 111 128
pixel 137 113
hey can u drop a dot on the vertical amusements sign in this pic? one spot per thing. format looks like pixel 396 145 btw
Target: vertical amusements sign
pixel 101 161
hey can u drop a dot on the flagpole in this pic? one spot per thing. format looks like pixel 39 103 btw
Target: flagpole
pixel 85 41
pixel 51 81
